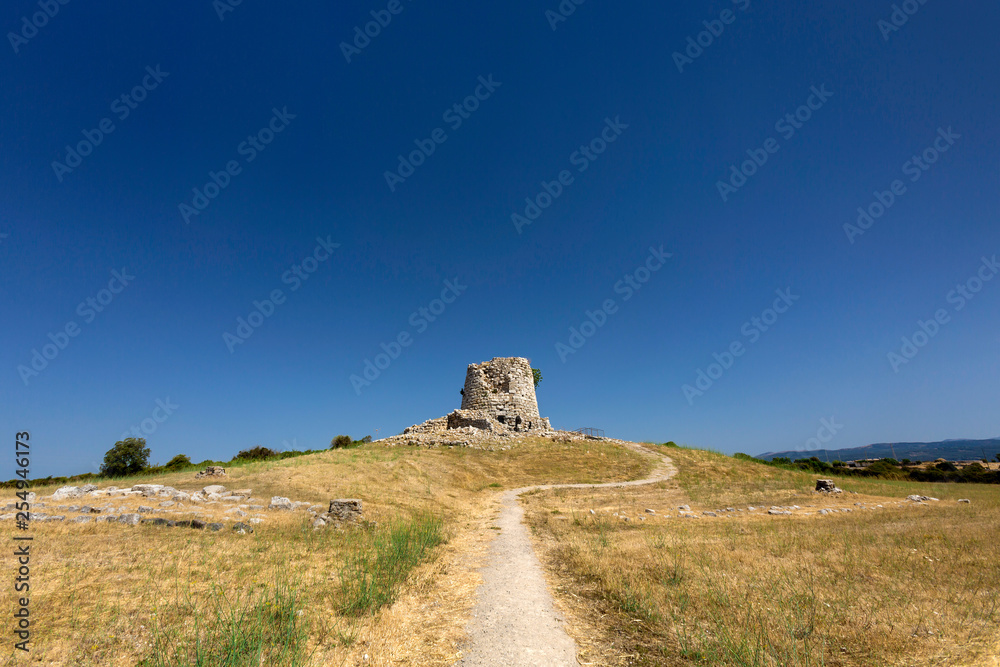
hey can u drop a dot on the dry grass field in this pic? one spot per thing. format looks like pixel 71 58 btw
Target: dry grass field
pixel 902 584
pixel 110 594
pixel 888 583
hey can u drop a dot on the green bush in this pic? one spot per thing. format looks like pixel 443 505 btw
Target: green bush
pixel 258 453
pixel 536 375
pixel 127 457
pixel 341 441
pixel 179 461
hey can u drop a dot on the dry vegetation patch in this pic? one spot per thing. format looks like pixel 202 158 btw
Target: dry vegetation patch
pixel 904 584
pixel 110 594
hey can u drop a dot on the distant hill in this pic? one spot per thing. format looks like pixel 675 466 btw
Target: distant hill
pixel 953 450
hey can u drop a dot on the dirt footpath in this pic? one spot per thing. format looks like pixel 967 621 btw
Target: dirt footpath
pixel 514 621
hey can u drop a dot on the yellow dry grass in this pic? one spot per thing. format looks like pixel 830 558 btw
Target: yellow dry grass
pixel 101 592
pixel 904 584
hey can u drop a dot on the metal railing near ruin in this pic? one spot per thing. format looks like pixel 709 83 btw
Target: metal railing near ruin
pixel 596 432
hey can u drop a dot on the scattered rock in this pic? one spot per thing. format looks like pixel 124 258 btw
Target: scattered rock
pixel 345 509
pixel 214 488
pixel 129 519
pixel 246 493
pixel 827 486
pixel 167 503
pixel 824 512
pixel 920 499
pixel 155 522
pixel 778 512
pixel 67 492
pixel 242 528
pixel 709 514
pixel 649 511
pixel 254 520
pixel 197 523
pixel 211 471
pixel 279 503
pixel 215 526
pixel 593 512
pixel 964 500
pixel 144 510
pixel 79 519
pixel 686 508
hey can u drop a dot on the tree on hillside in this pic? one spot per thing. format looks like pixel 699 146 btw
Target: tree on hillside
pixel 127 457
pixel 536 375
pixel 341 441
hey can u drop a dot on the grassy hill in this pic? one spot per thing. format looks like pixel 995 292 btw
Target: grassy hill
pixel 881 581
pixel 110 594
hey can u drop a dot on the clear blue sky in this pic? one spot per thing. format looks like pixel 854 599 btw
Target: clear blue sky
pixel 656 142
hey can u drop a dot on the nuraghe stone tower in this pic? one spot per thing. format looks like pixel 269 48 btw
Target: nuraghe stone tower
pixel 499 397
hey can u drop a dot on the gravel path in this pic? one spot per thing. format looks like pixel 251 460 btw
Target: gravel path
pixel 515 621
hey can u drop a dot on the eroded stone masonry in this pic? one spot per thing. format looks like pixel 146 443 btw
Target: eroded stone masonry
pixel 498 401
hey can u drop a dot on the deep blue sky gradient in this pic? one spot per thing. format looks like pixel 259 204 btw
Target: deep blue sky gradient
pixel 289 384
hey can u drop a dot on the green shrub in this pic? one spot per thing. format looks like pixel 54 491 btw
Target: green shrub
pixel 127 457
pixel 258 453
pixel 179 461
pixel 341 441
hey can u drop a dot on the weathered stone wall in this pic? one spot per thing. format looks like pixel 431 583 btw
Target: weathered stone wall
pixel 502 385
pixel 501 393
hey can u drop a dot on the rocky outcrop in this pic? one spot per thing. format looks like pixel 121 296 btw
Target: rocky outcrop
pixel 341 511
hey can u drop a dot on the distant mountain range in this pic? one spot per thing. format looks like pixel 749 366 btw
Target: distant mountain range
pixel 953 450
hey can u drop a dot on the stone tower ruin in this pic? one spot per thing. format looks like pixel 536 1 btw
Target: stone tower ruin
pixel 499 395
pixel 498 398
